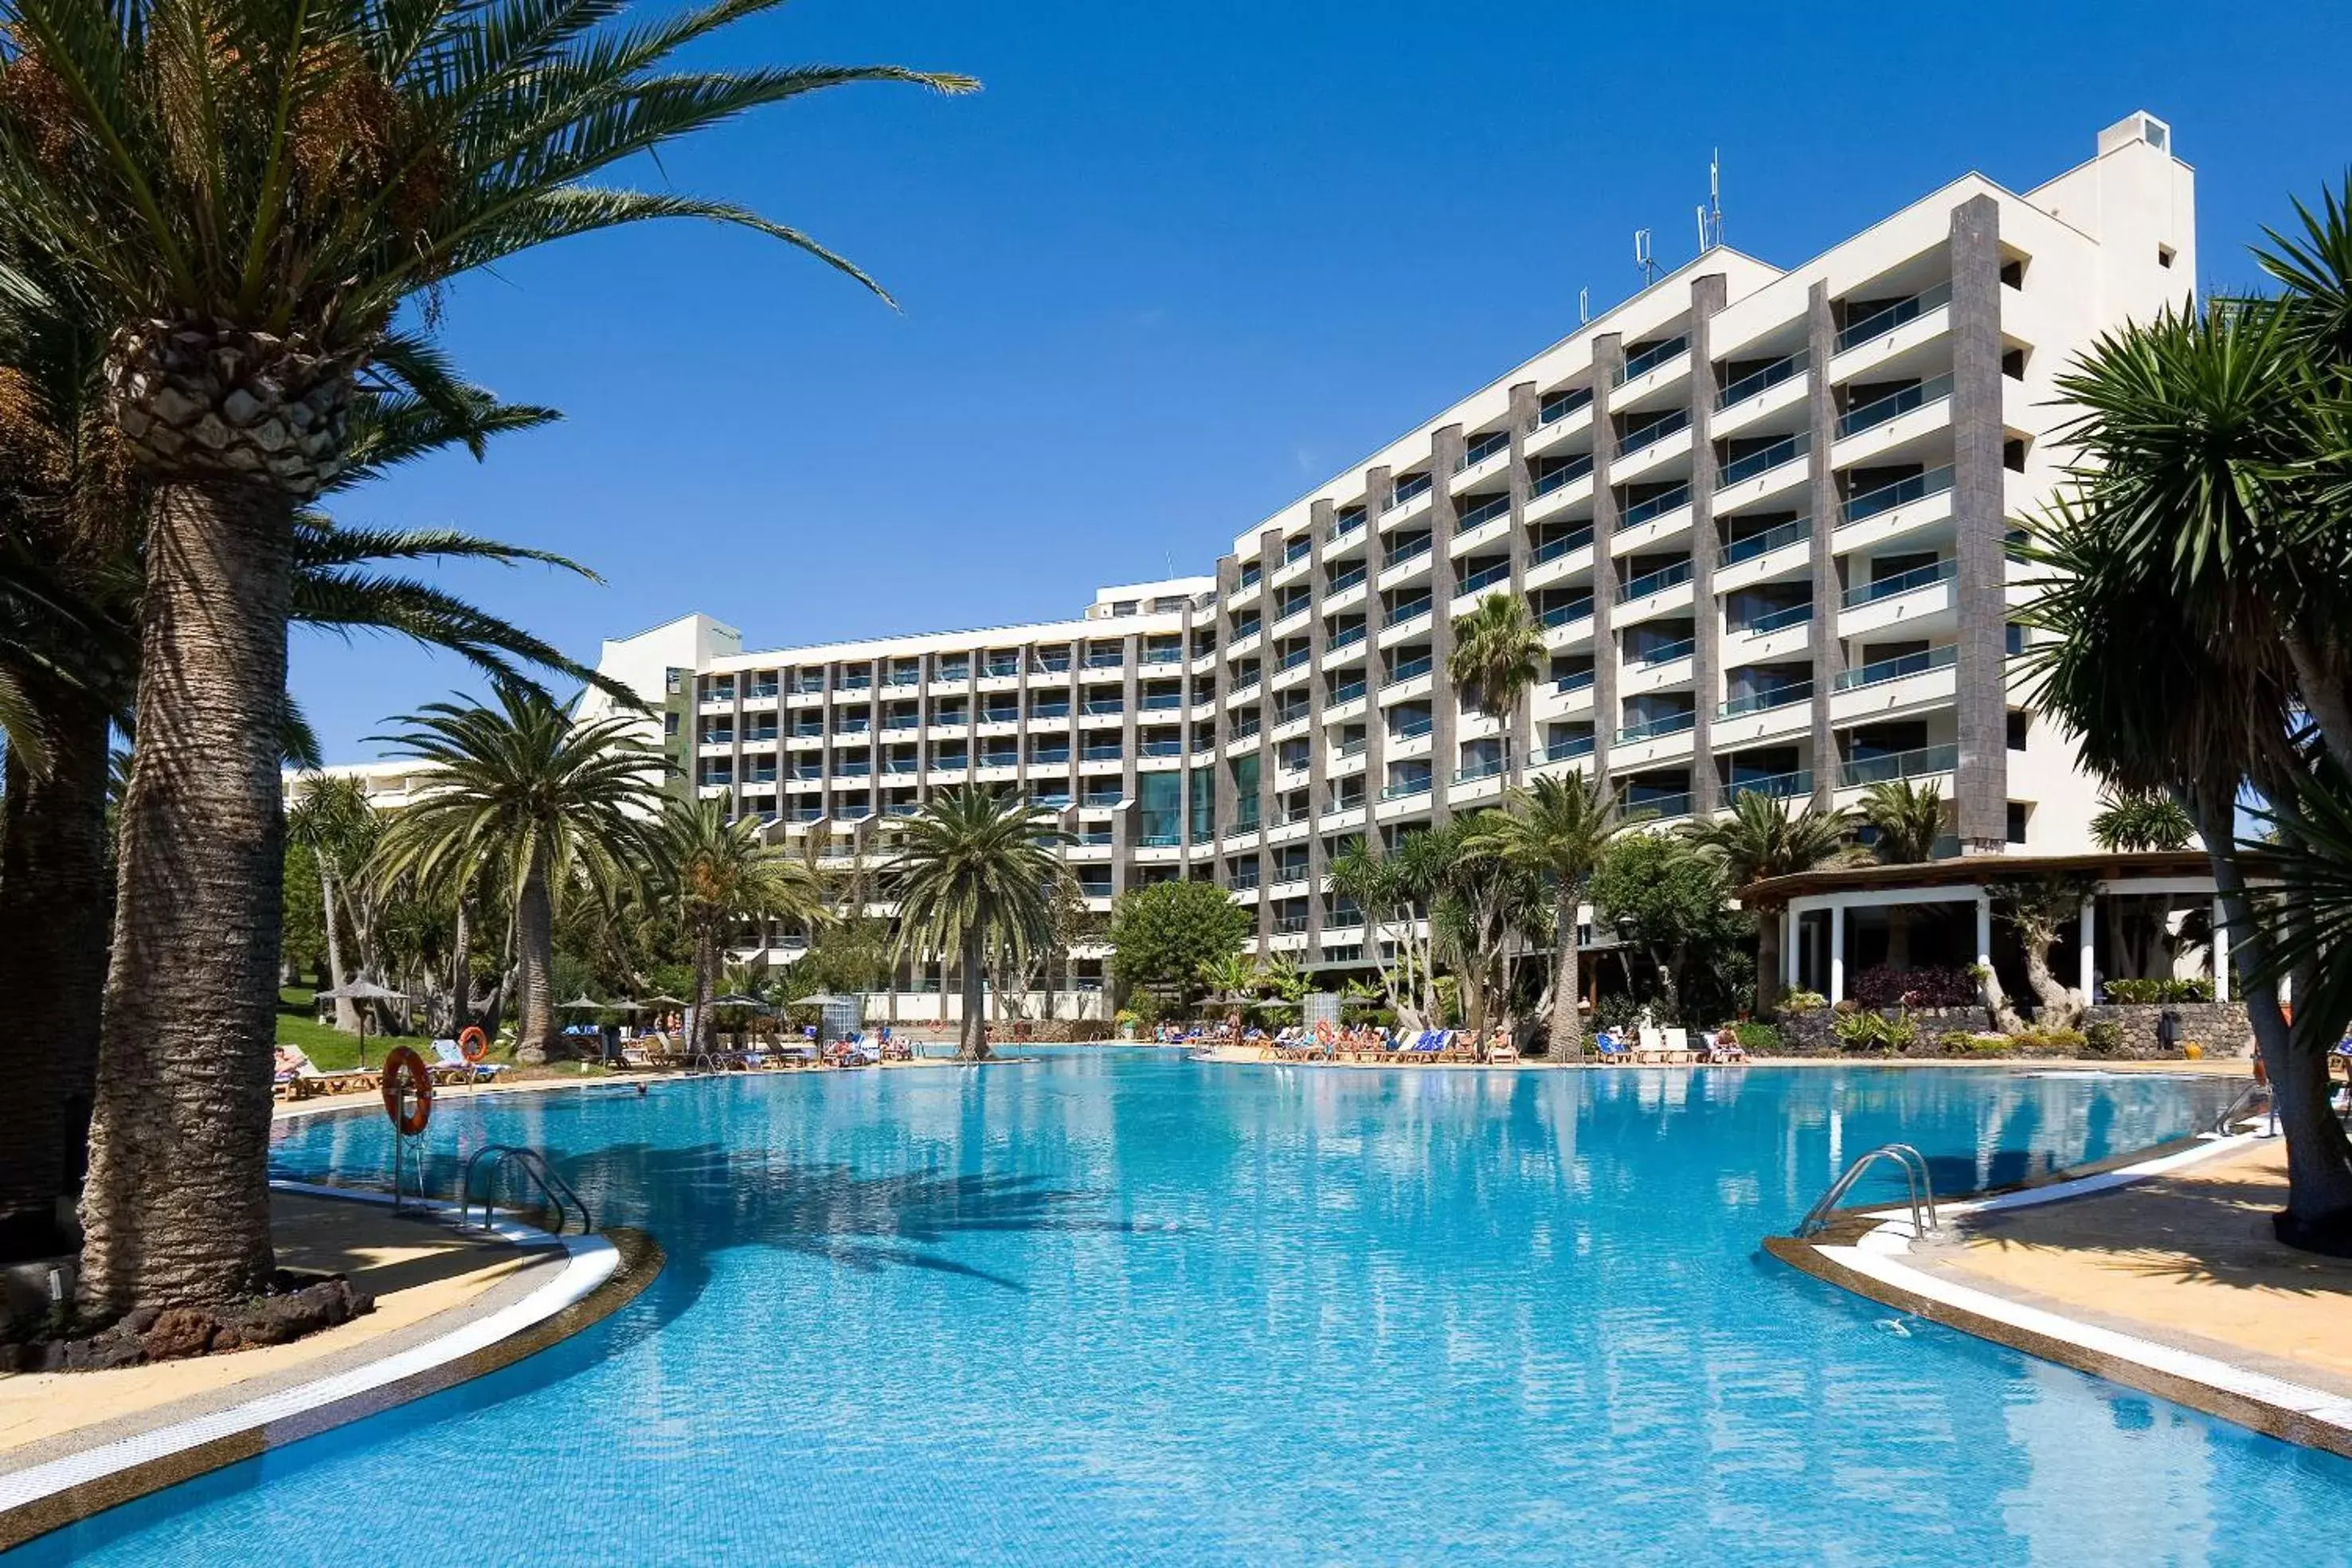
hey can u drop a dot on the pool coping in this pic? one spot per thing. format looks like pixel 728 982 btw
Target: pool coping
pixel 604 1273
pixel 1866 1251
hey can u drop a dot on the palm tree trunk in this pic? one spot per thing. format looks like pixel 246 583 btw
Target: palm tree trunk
pixel 53 920
pixel 1564 1029
pixel 347 1011
pixel 972 1037
pixel 176 1207
pixel 460 972
pixel 535 1039
pixel 706 967
pixel 2319 683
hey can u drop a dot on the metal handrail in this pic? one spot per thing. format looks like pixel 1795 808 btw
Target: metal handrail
pixel 533 1164
pixel 1915 1181
pixel 2243 1103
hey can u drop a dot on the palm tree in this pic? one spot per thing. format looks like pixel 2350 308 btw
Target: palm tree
pixel 2140 819
pixel 331 819
pixel 975 879
pixel 255 195
pixel 1374 884
pixel 720 871
pixel 1554 829
pixel 1757 840
pixel 1498 654
pixel 1904 820
pixel 522 795
pixel 1233 978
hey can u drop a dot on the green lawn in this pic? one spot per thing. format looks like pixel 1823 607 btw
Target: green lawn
pixel 330 1048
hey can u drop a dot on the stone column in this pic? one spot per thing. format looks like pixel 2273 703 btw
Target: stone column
pixel 1377 485
pixel 1123 846
pixel 1318 687
pixel 1229 576
pixel 1444 706
pixel 1269 557
pixel 1980 515
pixel 1608 355
pixel 1706 620
pixel 1525 406
pixel 1829 591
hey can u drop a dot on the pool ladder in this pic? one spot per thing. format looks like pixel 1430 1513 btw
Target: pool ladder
pixel 1915 1181
pixel 559 1194
pixel 2241 1107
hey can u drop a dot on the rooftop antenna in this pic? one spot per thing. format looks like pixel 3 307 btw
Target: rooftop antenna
pixel 1712 227
pixel 1583 306
pixel 1642 257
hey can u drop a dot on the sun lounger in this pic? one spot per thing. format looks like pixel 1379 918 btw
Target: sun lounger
pixel 1428 1047
pixel 298 1077
pixel 1650 1044
pixel 1678 1045
pixel 1613 1051
pixel 1501 1049
pixel 451 1058
pixel 1461 1045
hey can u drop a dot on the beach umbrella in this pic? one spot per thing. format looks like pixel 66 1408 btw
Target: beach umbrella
pixel 666 1001
pixel 584 1003
pixel 823 1000
pixel 363 990
pixel 737 999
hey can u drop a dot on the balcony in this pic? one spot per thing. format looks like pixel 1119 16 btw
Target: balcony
pixel 1567 474
pixel 1580 681
pixel 1162 656
pixel 1880 322
pixel 1665 653
pixel 1788 449
pixel 1650 359
pixel 1044 711
pixel 1293 659
pixel 1565 614
pixel 1348 693
pixel 1552 549
pixel 1001 669
pixel 1494 444
pixel 1411 669
pixel 1878 411
pixel 1484 513
pixel 1407 787
pixel 1649 434
pixel 1410 610
pixel 1407 491
pixel 1765 543
pixel 1567 750
pixel 1656 807
pixel 1655 728
pixel 1161 749
pixel 1412 729
pixel 1654 508
pixel 1102 752
pixel 1785 695
pixel 1658 582
pixel 1780 787
pixel 1902 582
pixel 1775 621
pixel 1478 771
pixel 1756 383
pixel 1485 577
pixel 1559 405
pixel 1920 764
pixel 1887 670
pixel 1104 707
pixel 1347 579
pixel 1405 552
pixel 1044 757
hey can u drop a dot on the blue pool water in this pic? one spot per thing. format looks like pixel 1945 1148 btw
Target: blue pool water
pixel 1116 1307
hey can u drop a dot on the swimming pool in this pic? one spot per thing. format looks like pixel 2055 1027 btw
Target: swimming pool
pixel 1117 1307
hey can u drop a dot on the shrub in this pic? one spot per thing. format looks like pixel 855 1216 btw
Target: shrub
pixel 1862 1031
pixel 1803 1002
pixel 2163 990
pixel 1758 1038
pixel 2070 1041
pixel 1961 1042
pixel 2106 1037
pixel 1919 988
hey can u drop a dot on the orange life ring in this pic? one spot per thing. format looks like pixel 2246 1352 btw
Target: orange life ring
pixel 473 1043
pixel 407 1089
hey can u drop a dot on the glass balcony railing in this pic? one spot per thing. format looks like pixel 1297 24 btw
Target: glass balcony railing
pixel 1567 473
pixel 1902 582
pixel 763 690
pixel 1405 787
pixel 1289 925
pixel 1250 574
pixel 1163 655
pixel 1785 695
pixel 1778 620
pixel 1098 801
pixel 1567 614
pixel 1567 750
pixel 1346 580
pixel 956 673
pixel 1290 714
pixel 1161 749
pixel 1485 576
pixel 1473 772
pixel 1753 545
pixel 1575 681
pixel 1346 523
pixel 1485 512
pixel 1298 550
pixel 1050 710
pixel 1246 628
pixel 1559 405
pixel 1493 444
pixel 1788 449
pixel 1160 702
pixel 1887 317
pixel 1780 787
pixel 906 678
pixel 1896 669
pixel 1107 751
pixel 1553 549
pixel 1902 493
pixel 1928 759
pixel 1293 659
pixel 1756 383
pixel 1053 665
pixel 1411 550
pixel 1100 708
pixel 950 762
pixel 1893 405
pixel 1649 434
pixel 1650 358
pixel 997 669
pixel 1657 581
pixel 1161 841
pixel 1653 728
pixel 1351 749
pixel 1246 821
pixel 1411 729
pixel 1411 669
pixel 1407 491
pixel 1046 756
pixel 1662 654
pixel 1410 610
pixel 1246 729
pixel 1292 607
pixel 1346 636
pixel 1348 693
pixel 1656 807
pixel 1656 507
pixel 1246 681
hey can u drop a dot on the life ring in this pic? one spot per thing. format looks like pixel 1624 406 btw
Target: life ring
pixel 473 1043
pixel 407 1089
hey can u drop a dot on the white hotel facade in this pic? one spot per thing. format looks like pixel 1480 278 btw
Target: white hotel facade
pixel 1760 513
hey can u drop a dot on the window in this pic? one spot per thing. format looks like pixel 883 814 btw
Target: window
pixel 2013 272
pixel 669 724
pixel 2013 364
pixel 2020 722
pixel 2018 812
pixel 2012 455
pixel 2164 252
pixel 2016 639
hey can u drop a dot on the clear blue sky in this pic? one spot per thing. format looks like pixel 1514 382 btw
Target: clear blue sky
pixel 1179 262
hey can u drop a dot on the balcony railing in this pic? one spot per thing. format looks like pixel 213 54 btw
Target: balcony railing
pixel 1351 749
pixel 997 669
pixel 1785 695
pixel 1250 575
pixel 1411 550
pixel 1099 707
pixel 1788 449
pixel 1163 655
pixel 1398 790
pixel 1289 925
pixel 1552 549
pixel 1567 473
pixel 1885 319
pixel 1765 543
pixel 1776 619
pixel 1561 405
pixel 1566 615
pixel 1348 693
pixel 1298 550
pixel 1896 764
pixel 1485 512
pixel 1657 581
pixel 1575 681
pixel 1110 751
pixel 1893 405
pixel 1044 757
pixel 1902 582
pixel 1658 807
pixel 1567 750
pixel 1410 670
pixel 1657 506
pixel 1346 637
pixel 905 678
pixel 1346 523
pixel 1650 358
pixel 1780 787
pixel 1477 770
pixel 1050 710
pixel 1411 729
pixel 1485 577
pixel 1486 447
pixel 954 672
pixel 1653 728
pixel 1652 433
pixel 1665 653
pixel 1406 491
pixel 1754 383
pixel 1161 749
pixel 1896 669
pixel 1346 580
pixel 1295 657
pixel 1409 610
pixel 1160 840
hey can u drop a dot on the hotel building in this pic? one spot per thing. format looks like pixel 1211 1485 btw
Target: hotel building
pixel 1761 514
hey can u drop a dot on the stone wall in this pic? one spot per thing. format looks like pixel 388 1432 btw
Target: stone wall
pixel 2219 1027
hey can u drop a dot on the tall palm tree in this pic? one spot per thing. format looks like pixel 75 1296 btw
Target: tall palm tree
pixel 521 796
pixel 720 871
pixel 1554 828
pixel 975 880
pixel 332 820
pixel 1757 840
pixel 256 194
pixel 1375 884
pixel 2139 819
pixel 1498 654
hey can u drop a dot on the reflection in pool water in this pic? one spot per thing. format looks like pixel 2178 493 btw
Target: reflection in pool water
pixel 1116 1307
